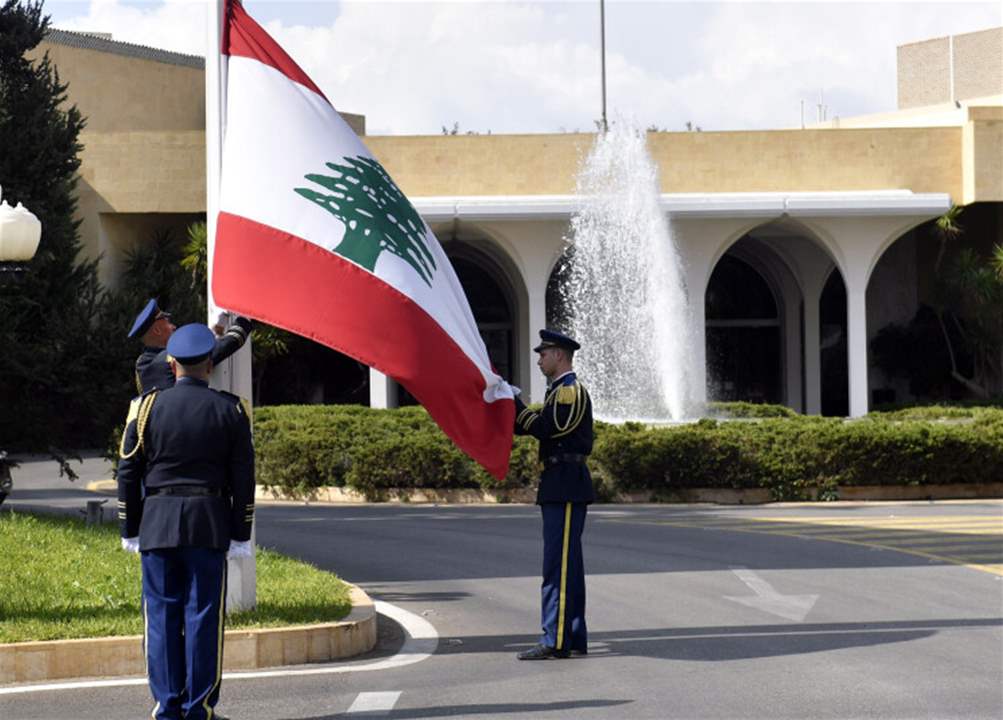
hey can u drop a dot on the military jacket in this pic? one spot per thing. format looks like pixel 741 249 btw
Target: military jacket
pixel 564 428
pixel 153 372
pixel 195 443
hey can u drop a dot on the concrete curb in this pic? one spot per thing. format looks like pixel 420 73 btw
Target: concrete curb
pixel 102 486
pixel 723 496
pixel 404 495
pixel 243 649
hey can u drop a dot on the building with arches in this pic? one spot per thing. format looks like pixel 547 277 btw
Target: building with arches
pixel 798 245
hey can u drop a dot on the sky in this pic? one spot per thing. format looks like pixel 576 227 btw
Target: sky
pixel 501 66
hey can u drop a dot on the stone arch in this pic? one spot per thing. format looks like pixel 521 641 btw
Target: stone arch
pixel 896 233
pixel 495 289
pixel 554 310
pixel 795 260
pixel 833 332
pixel 744 330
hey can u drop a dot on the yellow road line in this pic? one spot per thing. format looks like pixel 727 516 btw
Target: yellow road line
pixel 783 527
pixel 942 542
pixel 918 533
pixel 980 521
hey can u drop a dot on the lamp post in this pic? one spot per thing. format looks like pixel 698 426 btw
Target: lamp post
pixel 20 232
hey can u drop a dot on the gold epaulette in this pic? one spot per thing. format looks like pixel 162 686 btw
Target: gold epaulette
pixel 575 396
pixel 566 395
pixel 139 410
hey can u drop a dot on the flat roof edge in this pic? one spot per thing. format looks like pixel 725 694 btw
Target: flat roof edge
pixel 88 41
pixel 695 205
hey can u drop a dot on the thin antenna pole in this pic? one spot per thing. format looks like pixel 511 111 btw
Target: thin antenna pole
pixel 602 49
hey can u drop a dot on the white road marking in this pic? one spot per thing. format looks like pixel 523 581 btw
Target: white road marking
pixel 374 703
pixel 422 640
pixel 767 599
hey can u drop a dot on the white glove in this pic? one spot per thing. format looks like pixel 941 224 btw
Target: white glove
pixel 240 548
pixel 516 391
pixel 130 544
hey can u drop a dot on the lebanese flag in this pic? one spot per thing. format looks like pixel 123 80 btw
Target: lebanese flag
pixel 313 236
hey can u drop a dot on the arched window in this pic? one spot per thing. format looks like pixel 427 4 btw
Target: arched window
pixel 556 310
pixel 491 308
pixel 832 345
pixel 744 343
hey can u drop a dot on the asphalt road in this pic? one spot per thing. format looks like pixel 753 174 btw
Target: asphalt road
pixel 823 611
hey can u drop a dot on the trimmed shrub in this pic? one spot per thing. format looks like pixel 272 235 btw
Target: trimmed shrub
pixel 731 410
pixel 300 448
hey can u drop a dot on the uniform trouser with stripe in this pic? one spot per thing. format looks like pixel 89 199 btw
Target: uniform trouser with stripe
pixel 563 589
pixel 183 597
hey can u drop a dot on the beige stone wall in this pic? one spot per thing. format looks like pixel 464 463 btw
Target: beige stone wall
pixel 918 159
pixel 924 73
pixel 978 64
pixel 118 93
pixel 925 68
pixel 146 171
pixel 982 143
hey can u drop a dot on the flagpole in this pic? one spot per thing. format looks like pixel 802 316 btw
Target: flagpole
pixel 234 373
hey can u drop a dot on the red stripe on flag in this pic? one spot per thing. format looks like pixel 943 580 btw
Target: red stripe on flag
pixel 293 284
pixel 242 36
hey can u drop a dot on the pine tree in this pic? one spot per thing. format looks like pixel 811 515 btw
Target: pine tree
pixel 54 350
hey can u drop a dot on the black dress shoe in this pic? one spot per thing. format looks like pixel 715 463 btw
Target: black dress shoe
pixel 542 652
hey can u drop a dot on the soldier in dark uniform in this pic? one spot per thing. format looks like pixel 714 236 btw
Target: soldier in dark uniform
pixel 564 429
pixel 186 497
pixel 154 327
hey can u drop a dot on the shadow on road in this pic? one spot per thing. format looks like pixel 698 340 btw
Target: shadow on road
pixel 716 644
pixel 531 709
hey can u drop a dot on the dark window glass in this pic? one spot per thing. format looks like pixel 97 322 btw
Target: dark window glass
pixel 737 292
pixel 743 336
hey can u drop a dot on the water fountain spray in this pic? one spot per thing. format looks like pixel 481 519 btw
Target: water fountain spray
pixel 625 294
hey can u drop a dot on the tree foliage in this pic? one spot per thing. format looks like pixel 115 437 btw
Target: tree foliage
pixel 954 344
pixel 54 346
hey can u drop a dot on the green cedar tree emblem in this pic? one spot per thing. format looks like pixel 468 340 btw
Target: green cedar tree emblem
pixel 376 215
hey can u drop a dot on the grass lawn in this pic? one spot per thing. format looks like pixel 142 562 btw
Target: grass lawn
pixel 61 579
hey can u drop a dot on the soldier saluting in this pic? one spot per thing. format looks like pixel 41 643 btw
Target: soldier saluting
pixel 154 327
pixel 564 429
pixel 186 496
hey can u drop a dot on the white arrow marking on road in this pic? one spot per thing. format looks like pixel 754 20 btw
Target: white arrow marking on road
pixel 374 703
pixel 791 607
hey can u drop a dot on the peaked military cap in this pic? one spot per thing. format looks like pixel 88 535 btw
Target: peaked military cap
pixel 147 316
pixel 191 344
pixel 552 338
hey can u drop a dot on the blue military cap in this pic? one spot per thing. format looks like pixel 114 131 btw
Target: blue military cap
pixel 552 338
pixel 147 316
pixel 191 344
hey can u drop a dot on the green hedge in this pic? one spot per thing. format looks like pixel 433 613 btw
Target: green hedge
pixel 304 447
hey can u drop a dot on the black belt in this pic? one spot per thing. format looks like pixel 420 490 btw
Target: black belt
pixel 563 458
pixel 183 491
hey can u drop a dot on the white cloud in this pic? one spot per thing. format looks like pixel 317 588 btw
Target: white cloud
pixel 412 67
pixel 178 25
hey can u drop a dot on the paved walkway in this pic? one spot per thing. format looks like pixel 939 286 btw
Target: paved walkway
pixel 39 488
